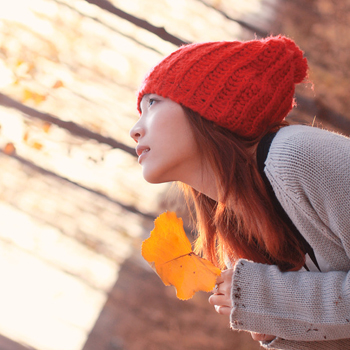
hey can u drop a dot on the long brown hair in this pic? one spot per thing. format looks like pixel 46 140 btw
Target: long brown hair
pixel 243 222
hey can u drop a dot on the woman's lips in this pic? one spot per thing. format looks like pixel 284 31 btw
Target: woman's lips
pixel 141 151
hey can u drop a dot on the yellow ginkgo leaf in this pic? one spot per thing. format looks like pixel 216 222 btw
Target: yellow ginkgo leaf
pixel 37 145
pixel 57 84
pixel 169 252
pixel 46 127
pixel 9 148
pixel 31 95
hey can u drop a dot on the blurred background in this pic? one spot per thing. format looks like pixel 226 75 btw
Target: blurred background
pixel 74 208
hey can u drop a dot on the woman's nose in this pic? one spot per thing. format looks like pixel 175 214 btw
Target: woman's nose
pixel 136 132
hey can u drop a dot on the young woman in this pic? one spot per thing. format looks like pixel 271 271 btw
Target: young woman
pixel 271 201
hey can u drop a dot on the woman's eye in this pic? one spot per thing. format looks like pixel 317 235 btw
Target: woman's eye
pixel 151 101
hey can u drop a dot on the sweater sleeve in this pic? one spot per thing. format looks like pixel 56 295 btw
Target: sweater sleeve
pixel 302 306
pixel 310 174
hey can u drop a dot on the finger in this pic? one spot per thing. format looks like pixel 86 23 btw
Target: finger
pixel 262 337
pixel 221 300
pixel 220 279
pixel 216 289
pixel 222 310
pixel 225 275
pixel 222 288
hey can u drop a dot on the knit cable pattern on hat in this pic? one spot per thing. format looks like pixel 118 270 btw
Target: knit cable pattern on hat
pixel 242 86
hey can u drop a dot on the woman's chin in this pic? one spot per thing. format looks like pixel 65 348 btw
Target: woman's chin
pixel 151 178
pixel 154 178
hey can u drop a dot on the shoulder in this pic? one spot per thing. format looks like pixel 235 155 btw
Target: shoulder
pixel 301 140
pixel 310 167
pixel 304 161
pixel 302 149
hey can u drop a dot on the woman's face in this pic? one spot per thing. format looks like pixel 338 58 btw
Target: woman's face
pixel 166 146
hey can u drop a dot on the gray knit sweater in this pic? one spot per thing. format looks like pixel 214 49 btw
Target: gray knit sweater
pixel 309 170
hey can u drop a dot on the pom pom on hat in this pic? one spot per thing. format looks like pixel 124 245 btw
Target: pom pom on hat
pixel 242 86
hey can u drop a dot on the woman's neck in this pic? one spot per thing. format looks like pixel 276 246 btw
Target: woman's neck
pixel 204 181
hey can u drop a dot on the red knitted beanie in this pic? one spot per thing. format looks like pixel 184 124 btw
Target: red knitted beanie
pixel 242 86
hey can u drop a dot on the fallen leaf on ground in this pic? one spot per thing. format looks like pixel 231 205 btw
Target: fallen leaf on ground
pixel 9 148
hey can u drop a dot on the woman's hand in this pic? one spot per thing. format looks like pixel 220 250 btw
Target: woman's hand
pixel 262 337
pixel 221 299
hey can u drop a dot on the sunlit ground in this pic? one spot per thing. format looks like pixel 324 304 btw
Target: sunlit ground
pixel 53 286
pixel 42 303
pixel 61 246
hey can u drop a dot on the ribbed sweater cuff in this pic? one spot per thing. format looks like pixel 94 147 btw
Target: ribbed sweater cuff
pixel 268 301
